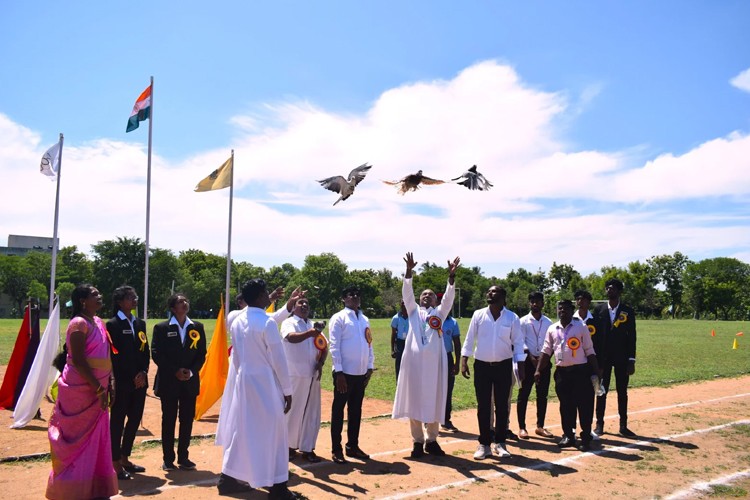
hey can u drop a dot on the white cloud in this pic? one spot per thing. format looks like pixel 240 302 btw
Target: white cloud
pixel 742 81
pixel 486 115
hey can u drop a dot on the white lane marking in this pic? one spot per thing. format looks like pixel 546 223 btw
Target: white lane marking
pixel 705 487
pixel 564 461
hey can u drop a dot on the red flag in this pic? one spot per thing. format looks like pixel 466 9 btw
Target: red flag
pixel 15 365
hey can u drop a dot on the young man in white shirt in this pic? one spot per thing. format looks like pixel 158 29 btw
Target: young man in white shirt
pixel 499 342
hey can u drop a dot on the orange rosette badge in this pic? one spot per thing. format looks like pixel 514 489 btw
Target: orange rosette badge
pixel 435 323
pixel 195 337
pixel 368 335
pixel 592 330
pixel 621 318
pixel 573 344
pixel 320 342
pixel 143 339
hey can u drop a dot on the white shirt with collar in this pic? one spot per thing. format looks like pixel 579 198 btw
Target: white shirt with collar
pixel 350 352
pixel 496 339
pixel 588 315
pixel 130 321
pixel 612 312
pixel 182 329
pixel 533 333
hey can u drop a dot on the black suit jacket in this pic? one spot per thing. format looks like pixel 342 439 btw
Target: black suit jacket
pixel 171 354
pixel 130 359
pixel 618 341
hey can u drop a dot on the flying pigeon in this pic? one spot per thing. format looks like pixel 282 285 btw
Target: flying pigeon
pixel 473 180
pixel 345 187
pixel 411 182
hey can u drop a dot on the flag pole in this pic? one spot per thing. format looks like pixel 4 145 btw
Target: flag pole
pixel 54 231
pixel 148 202
pixel 229 238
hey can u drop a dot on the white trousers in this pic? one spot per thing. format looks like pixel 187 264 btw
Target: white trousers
pixel 303 419
pixel 422 432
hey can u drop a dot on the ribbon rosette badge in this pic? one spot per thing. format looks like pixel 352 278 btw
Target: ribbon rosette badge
pixel 435 323
pixel 195 337
pixel 574 344
pixel 592 330
pixel 622 318
pixel 368 335
pixel 320 342
pixel 142 338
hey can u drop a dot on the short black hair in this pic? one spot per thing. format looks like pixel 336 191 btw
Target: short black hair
pixel 252 289
pixel 536 296
pixel 583 294
pixel 615 283
pixel 500 290
pixel 566 303
pixel 348 289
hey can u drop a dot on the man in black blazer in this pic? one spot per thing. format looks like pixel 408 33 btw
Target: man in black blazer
pixel 130 361
pixel 616 321
pixel 178 347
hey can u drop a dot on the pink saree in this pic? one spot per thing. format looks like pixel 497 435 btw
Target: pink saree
pixel 78 428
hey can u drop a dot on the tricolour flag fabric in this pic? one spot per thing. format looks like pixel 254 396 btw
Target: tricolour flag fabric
pixel 213 374
pixel 219 179
pixel 30 353
pixel 50 164
pixel 15 365
pixel 41 375
pixel 141 110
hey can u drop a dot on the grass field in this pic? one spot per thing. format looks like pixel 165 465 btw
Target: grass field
pixel 669 352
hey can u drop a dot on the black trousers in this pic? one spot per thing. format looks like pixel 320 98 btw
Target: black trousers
pixel 451 383
pixel 621 382
pixel 352 399
pixel 492 379
pixel 576 394
pixel 181 401
pixel 542 390
pixel 400 344
pixel 129 404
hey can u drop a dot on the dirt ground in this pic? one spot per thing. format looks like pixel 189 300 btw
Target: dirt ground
pixel 687 435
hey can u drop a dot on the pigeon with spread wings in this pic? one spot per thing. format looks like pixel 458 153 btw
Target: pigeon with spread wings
pixel 473 180
pixel 411 182
pixel 345 187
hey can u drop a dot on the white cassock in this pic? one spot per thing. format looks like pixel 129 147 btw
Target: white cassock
pixel 423 379
pixel 251 426
pixel 303 420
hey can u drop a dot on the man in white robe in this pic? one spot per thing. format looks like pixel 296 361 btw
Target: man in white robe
pixel 252 428
pixel 423 382
pixel 306 353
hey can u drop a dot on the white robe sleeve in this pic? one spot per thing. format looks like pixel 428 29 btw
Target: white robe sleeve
pixel 277 357
pixel 447 304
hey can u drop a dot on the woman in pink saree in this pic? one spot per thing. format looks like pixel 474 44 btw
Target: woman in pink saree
pixel 79 426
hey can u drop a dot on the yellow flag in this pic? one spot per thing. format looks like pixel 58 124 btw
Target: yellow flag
pixel 271 308
pixel 219 179
pixel 213 375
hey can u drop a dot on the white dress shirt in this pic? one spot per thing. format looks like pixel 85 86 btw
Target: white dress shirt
pixel 301 357
pixel 496 339
pixel 533 333
pixel 350 352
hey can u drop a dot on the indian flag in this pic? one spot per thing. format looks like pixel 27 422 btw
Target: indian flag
pixel 141 110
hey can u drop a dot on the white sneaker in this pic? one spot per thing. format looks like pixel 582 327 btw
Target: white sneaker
pixel 595 436
pixel 482 452
pixel 498 449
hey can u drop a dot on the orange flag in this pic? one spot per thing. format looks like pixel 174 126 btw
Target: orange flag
pixel 713 333
pixel 213 375
pixel 739 334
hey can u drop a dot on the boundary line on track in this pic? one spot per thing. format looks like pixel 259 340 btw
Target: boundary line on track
pixel 705 486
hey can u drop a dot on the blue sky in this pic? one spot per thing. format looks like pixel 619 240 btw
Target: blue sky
pixel 612 131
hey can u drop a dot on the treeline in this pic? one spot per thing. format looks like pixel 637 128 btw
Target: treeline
pixel 663 286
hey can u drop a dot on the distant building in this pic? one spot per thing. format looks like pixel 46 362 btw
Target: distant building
pixel 21 245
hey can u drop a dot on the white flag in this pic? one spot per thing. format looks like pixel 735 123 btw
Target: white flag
pixel 51 161
pixel 41 374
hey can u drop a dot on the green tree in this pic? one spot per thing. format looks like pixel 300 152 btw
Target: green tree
pixel 669 271
pixel 15 277
pixel 38 291
pixel 323 276
pixel 718 286
pixel 73 266
pixel 118 262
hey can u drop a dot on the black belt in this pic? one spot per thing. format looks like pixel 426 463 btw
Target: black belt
pixel 572 368
pixel 491 363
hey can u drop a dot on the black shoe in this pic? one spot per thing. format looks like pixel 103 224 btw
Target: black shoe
pixel 168 466
pixel 567 441
pixel 186 464
pixel 292 454
pixel 625 432
pixel 124 475
pixel 584 446
pixel 311 457
pixel 418 451
pixel 338 457
pixel 599 430
pixel 509 434
pixel 433 448
pixel 132 468
pixel 449 427
pixel 280 491
pixel 230 486
pixel 356 452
